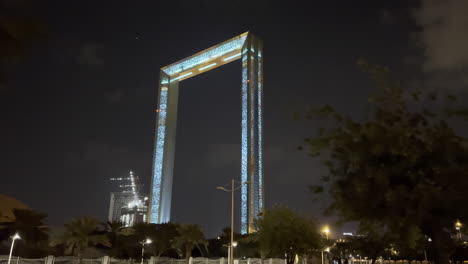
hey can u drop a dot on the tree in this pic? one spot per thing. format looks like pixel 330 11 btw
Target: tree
pixel 282 232
pixel 404 167
pixel 126 241
pixel 30 225
pixel 247 244
pixel 115 231
pixel 80 234
pixel 189 237
pixel 373 241
pixel 164 235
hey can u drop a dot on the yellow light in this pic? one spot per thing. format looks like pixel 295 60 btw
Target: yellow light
pixel 325 230
pixel 182 76
pixel 231 57
pixel 207 66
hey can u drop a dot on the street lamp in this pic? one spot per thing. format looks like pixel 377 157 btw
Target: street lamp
pixel 458 227
pixel 143 243
pixel 326 231
pixel 232 190
pixel 13 238
pixel 327 249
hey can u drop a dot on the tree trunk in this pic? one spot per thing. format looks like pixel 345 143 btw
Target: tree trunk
pixel 188 253
pixel 80 257
pixel 262 257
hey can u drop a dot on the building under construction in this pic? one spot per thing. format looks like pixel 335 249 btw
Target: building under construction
pixel 127 205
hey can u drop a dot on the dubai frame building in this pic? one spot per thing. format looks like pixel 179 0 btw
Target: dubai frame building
pixel 248 48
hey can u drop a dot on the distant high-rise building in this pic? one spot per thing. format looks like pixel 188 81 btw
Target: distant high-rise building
pixel 118 200
pixel 132 213
pixel 128 205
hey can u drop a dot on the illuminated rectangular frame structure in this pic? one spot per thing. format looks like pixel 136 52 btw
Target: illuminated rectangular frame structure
pixel 248 48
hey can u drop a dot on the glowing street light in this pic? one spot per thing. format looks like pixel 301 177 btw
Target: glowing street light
pixel 13 238
pixel 458 227
pixel 322 254
pixel 326 231
pixel 143 243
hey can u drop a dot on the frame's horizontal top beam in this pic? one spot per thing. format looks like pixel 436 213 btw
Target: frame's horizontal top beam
pixel 208 59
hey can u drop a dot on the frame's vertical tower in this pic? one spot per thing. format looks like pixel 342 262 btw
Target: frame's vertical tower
pixel 249 48
pixel 164 150
pixel 251 152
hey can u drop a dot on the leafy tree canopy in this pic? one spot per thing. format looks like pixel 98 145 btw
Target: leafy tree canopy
pixel 29 224
pixel 282 232
pixel 162 235
pixel 80 234
pixel 404 167
pixel 189 237
pixel 31 227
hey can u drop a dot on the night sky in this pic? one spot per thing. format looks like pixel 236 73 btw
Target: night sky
pixel 80 108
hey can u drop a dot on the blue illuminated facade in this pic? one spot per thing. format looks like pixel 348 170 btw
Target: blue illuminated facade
pixel 159 151
pixel 248 48
pixel 205 56
pixel 244 146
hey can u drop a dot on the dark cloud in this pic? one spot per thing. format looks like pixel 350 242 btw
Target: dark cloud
pixel 115 96
pixel 89 55
pixel 221 155
pixel 387 17
pixel 106 155
pixel 444 38
pixel 13 3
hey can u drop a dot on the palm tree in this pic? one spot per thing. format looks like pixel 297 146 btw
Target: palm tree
pixel 79 234
pixel 164 235
pixel 115 231
pixel 190 236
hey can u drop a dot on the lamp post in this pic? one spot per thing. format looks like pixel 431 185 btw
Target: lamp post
pixel 425 250
pixel 458 226
pixel 327 250
pixel 231 190
pixel 13 238
pixel 143 243
pixel 326 231
pixel 234 244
